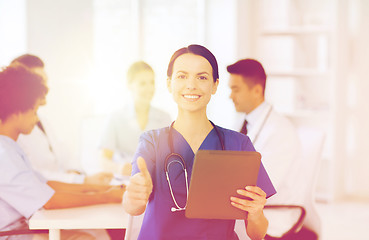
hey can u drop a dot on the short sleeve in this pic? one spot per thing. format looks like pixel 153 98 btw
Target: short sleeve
pixel 21 187
pixel 263 181
pixel 146 150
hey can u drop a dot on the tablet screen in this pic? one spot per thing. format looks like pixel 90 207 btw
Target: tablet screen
pixel 216 175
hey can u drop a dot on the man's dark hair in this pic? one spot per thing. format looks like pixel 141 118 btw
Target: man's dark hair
pixel 251 70
pixel 20 88
pixel 29 60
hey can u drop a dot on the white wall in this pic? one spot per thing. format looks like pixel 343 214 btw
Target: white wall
pixel 352 87
pixel 220 38
pixel 61 33
pixel 13 30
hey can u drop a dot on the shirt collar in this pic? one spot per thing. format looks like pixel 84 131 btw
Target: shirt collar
pixel 254 116
pixel 130 111
pixel 7 139
pixel 12 143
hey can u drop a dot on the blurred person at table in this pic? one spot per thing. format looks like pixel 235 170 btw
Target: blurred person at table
pixel 41 146
pixel 23 190
pixel 121 136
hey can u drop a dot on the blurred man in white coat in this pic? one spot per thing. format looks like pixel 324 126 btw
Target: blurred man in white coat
pixel 273 135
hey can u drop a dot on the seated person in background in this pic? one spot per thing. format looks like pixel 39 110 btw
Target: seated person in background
pixel 23 190
pixel 39 148
pixel 121 136
pixel 273 135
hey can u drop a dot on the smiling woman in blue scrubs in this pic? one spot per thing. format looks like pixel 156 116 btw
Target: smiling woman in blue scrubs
pixel 192 80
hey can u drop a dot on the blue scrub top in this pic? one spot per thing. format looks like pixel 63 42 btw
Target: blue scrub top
pixel 159 221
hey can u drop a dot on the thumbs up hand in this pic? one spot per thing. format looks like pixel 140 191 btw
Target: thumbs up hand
pixel 143 168
pixel 139 189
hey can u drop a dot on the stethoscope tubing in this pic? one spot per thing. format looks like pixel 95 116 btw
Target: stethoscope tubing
pixel 181 161
pixel 262 125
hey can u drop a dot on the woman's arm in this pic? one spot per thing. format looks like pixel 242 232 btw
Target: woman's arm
pixel 73 195
pixel 138 190
pixel 77 188
pixel 101 178
pixel 256 223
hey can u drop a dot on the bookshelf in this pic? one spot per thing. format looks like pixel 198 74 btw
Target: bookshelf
pixel 294 41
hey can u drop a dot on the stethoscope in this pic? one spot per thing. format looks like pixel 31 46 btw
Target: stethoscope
pixel 179 159
pixel 262 125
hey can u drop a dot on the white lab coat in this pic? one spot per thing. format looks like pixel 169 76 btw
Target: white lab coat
pixel 275 137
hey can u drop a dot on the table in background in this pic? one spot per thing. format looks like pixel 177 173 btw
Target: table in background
pixel 102 216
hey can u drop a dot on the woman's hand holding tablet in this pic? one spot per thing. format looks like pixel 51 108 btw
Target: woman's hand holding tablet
pixel 254 205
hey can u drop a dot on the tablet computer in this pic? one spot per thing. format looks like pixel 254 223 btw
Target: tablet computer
pixel 216 175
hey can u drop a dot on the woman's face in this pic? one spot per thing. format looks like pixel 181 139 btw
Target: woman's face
pixel 143 87
pixel 26 121
pixel 191 83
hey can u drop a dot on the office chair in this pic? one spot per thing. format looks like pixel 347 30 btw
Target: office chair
pixel 20 228
pixel 308 224
pixel 22 232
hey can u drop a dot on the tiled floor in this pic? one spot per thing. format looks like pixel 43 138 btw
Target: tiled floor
pixel 344 220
